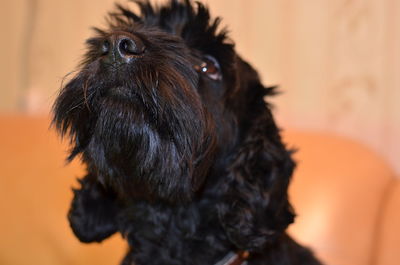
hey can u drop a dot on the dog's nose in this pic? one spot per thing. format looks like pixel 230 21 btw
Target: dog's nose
pixel 122 48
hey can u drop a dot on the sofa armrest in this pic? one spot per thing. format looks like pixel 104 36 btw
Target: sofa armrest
pixel 338 191
pixel 388 252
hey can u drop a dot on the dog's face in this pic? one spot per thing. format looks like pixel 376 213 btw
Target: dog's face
pixel 158 99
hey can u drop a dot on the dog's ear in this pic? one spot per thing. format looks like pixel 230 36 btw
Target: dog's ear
pixel 255 208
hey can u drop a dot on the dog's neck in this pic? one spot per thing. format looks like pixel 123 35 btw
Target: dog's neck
pixel 196 224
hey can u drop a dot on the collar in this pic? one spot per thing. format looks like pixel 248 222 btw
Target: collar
pixel 232 258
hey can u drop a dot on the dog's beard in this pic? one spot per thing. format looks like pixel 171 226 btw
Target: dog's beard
pixel 133 155
pixel 151 137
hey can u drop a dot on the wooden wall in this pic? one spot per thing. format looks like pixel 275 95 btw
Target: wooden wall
pixel 336 61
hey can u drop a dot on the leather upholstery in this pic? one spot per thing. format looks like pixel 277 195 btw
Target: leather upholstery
pixel 346 197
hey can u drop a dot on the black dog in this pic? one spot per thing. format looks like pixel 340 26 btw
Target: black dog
pixel 183 156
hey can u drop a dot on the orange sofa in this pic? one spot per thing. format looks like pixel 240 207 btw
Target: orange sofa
pixel 346 197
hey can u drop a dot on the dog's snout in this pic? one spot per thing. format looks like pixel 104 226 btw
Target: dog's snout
pixel 122 48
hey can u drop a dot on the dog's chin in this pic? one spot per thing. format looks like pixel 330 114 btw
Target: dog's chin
pixel 121 94
pixel 120 91
pixel 134 157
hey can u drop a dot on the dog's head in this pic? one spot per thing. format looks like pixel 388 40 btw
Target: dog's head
pixel 160 99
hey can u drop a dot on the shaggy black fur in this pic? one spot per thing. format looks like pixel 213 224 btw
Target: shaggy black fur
pixel 183 156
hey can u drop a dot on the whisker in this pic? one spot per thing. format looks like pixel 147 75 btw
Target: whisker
pixel 65 78
pixel 85 89
pixel 81 102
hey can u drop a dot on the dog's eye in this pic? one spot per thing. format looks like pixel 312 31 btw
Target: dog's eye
pixel 210 67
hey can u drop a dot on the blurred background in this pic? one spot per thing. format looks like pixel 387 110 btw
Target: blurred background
pixel 336 62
